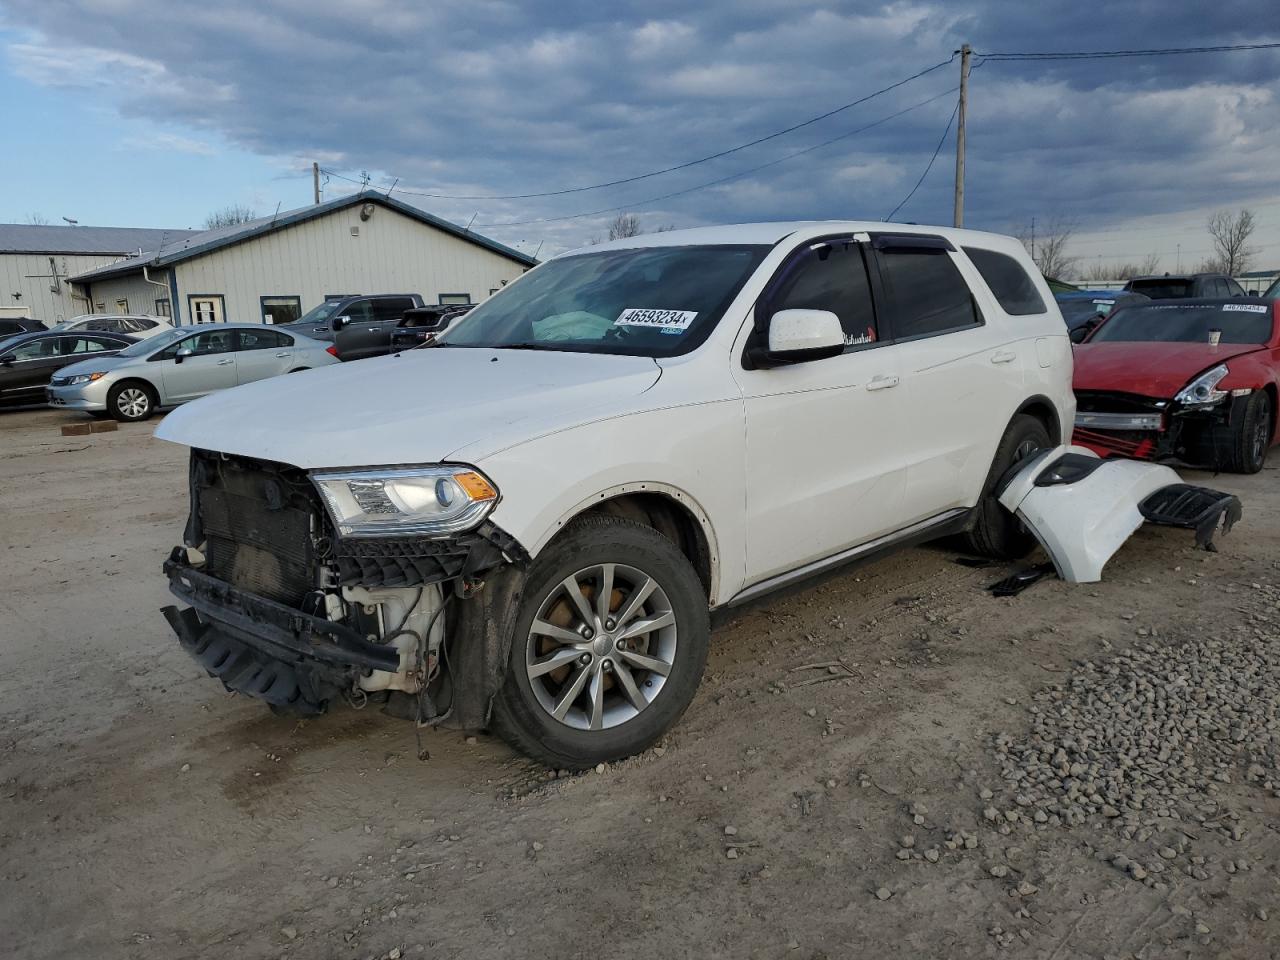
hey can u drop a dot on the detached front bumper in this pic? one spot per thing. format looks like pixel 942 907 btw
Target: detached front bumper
pixel 289 658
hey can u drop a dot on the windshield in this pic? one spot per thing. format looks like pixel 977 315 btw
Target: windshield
pixel 1273 291
pixel 143 347
pixel 317 314
pixel 1076 311
pixel 644 302
pixel 1163 288
pixel 1188 323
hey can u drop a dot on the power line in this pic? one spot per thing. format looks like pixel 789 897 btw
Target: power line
pixel 1113 54
pixel 678 166
pixel 929 166
pixel 733 176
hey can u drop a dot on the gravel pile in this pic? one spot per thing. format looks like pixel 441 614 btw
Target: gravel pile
pixel 1150 735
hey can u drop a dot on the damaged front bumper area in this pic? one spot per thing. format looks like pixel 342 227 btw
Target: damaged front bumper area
pixel 1115 424
pixel 282 609
pixel 1082 508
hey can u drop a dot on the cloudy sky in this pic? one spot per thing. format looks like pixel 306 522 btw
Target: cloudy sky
pixel 150 114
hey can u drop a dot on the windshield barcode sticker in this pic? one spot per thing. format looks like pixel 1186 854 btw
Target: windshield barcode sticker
pixel 1246 307
pixel 670 321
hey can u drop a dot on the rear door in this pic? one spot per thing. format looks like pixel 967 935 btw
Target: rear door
pixel 263 353
pixel 961 369
pixel 211 365
pixel 371 336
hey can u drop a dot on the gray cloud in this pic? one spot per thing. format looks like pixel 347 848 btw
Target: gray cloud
pixel 498 97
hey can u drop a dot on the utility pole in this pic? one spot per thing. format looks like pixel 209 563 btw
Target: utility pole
pixel 315 179
pixel 965 50
pixel 1033 239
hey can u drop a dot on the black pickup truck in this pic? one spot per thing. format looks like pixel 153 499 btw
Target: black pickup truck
pixel 373 315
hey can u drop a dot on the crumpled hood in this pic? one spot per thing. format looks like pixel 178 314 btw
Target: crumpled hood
pixel 415 407
pixel 1148 369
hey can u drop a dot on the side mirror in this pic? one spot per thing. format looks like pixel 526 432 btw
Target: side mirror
pixel 339 323
pixel 1079 333
pixel 6 362
pixel 183 354
pixel 796 336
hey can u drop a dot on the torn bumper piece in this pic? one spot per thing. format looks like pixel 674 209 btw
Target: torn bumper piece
pixel 263 648
pixel 1082 509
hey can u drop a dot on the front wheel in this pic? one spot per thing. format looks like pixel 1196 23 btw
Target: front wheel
pixel 1250 437
pixel 609 646
pixel 131 401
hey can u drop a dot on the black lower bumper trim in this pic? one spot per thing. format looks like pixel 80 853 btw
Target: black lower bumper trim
pixel 1195 508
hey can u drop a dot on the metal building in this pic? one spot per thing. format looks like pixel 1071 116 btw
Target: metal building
pixel 37 262
pixel 274 269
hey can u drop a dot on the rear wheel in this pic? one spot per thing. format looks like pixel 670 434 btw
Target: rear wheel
pixel 996 532
pixel 609 646
pixel 131 401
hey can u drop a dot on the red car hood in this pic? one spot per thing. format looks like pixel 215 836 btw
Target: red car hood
pixel 1148 369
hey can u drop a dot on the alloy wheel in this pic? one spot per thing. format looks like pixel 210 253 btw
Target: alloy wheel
pixel 601 646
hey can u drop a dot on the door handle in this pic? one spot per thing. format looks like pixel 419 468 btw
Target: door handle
pixel 372 329
pixel 282 356
pixel 223 363
pixel 882 383
pixel 1003 356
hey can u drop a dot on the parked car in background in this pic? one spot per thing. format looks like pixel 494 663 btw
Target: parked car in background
pixel 421 324
pixel 136 325
pixel 181 364
pixel 363 328
pixel 29 360
pixel 323 321
pixel 11 326
pixel 1273 291
pixel 1185 286
pixel 1195 380
pixel 1085 309
pixel 526 522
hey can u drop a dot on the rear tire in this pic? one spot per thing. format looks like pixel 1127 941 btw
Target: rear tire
pixel 617 689
pixel 996 532
pixel 131 401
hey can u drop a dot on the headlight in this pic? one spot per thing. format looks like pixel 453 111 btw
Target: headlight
pixel 1203 390
pixel 421 501
pixel 82 378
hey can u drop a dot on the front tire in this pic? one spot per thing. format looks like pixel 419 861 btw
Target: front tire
pixel 1245 447
pixel 996 532
pixel 131 401
pixel 609 646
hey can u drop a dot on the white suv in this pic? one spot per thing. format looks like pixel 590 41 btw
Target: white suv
pixel 525 524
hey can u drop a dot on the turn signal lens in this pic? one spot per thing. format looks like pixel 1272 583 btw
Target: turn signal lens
pixel 476 486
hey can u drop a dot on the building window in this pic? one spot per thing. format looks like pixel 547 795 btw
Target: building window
pixel 447 299
pixel 280 309
pixel 122 304
pixel 162 307
pixel 206 308
pixel 99 307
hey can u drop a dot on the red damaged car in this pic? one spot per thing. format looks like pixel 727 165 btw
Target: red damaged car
pixel 1193 380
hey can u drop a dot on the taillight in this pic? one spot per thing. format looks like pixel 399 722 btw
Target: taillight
pixel 331 350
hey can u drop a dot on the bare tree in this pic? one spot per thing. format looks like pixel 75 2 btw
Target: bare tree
pixel 665 228
pixel 229 215
pixel 1122 271
pixel 625 225
pixel 1230 240
pixel 37 219
pixel 1048 246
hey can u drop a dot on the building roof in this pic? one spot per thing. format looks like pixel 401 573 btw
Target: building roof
pixel 206 241
pixel 109 241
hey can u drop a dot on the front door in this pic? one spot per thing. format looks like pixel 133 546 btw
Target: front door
pixel 206 308
pixel 825 460
pixel 211 365
pixel 27 367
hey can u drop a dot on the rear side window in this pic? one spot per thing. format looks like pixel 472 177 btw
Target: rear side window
pixel 831 276
pixel 926 292
pixel 264 340
pixel 1014 290
pixel 391 308
pixel 1162 288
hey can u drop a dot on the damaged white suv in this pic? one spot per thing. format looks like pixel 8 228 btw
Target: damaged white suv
pixel 525 525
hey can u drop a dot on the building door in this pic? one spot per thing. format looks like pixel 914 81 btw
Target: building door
pixel 206 308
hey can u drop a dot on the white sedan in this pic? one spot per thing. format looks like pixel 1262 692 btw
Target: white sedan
pixel 182 364
pixel 135 325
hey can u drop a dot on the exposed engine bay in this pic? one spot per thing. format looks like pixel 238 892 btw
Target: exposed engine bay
pixel 284 610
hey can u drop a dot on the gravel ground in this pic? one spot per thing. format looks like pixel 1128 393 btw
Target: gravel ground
pixel 891 763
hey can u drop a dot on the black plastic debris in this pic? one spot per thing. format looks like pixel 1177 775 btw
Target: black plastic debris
pixel 1019 580
pixel 1195 508
pixel 977 563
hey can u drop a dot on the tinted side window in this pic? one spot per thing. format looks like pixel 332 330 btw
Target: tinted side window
pixel 263 340
pixel 1013 288
pixel 927 293
pixel 359 312
pixel 391 308
pixel 832 276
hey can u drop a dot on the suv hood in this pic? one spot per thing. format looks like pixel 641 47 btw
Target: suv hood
pixel 419 406
pixel 1148 369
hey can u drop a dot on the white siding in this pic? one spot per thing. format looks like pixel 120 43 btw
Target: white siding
pixel 393 253
pixel 142 296
pixel 28 274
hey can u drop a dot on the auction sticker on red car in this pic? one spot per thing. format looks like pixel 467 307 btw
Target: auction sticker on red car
pixel 667 320
pixel 1246 307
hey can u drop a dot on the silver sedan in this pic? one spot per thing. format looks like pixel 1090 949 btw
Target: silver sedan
pixel 180 365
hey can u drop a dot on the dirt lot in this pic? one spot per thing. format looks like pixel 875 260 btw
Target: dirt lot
pixel 145 813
